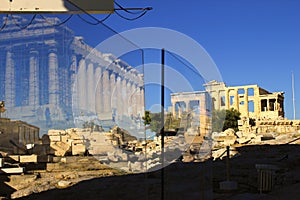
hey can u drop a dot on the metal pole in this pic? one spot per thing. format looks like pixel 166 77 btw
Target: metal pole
pixel 162 124
pixel 227 163
pixel 293 93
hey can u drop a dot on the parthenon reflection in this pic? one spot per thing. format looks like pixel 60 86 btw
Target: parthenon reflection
pixel 48 76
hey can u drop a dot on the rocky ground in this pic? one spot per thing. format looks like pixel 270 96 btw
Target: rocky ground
pixel 181 180
pixel 39 177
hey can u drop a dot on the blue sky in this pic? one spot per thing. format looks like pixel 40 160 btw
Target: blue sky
pixel 251 42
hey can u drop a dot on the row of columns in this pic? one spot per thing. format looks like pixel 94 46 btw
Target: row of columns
pixel 10 85
pixel 97 90
pixel 236 101
pixel 204 115
pixel 181 98
pixel 107 93
pixel 33 79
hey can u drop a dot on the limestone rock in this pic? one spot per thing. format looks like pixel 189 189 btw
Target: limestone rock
pixel 135 166
pixel 229 132
pixel 63 184
pixel 239 134
pixel 113 157
pixel 188 158
pixel 243 140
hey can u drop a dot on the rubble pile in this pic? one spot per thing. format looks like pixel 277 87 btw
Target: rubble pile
pixel 142 156
pixel 233 139
pixel 65 142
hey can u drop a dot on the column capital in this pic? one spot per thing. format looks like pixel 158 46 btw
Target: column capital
pixel 33 51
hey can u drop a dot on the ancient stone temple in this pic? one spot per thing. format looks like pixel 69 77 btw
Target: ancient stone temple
pixel 196 104
pixel 49 76
pixel 251 101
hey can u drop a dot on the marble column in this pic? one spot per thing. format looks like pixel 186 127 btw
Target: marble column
pixel 53 85
pixel 246 102
pixel 227 99
pixel 124 97
pixel 72 92
pixel 179 109
pixel 98 91
pixel 236 99
pixel 90 88
pixel 174 109
pixel 142 103
pixel 118 94
pixel 113 101
pixel 81 86
pixel 10 82
pixel 133 99
pixel 129 100
pixel 33 78
pixel 187 106
pixel 106 92
pixel 203 114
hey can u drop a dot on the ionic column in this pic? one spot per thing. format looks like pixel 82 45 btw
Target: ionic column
pixel 246 102
pixel 72 92
pixel 203 114
pixel 218 100
pixel 276 104
pixel 90 88
pixel 227 100
pixel 256 102
pixel 174 109
pixel 81 85
pixel 98 91
pixel 53 85
pixel 106 92
pixel 129 99
pixel 179 110
pixel 118 94
pixel 236 99
pixel 142 103
pixel 124 97
pixel 10 84
pixel 187 109
pixel 133 99
pixel 112 97
pixel 33 79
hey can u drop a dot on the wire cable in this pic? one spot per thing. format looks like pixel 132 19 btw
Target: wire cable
pixel 108 27
pixel 134 13
pixel 131 19
pixel 188 66
pixel 58 24
pixel 4 23
pixel 23 27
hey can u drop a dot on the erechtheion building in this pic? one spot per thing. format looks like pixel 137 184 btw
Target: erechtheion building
pixel 251 101
pixel 197 104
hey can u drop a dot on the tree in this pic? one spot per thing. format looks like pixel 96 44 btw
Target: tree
pixel 155 124
pixel 224 119
pixel 147 118
pixel 231 119
pixel 218 118
pixel 152 121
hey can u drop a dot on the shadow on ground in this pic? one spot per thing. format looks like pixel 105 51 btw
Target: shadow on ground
pixel 5 190
pixel 198 180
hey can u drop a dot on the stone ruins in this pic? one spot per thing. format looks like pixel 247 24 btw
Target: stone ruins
pixel 250 100
pixel 265 108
